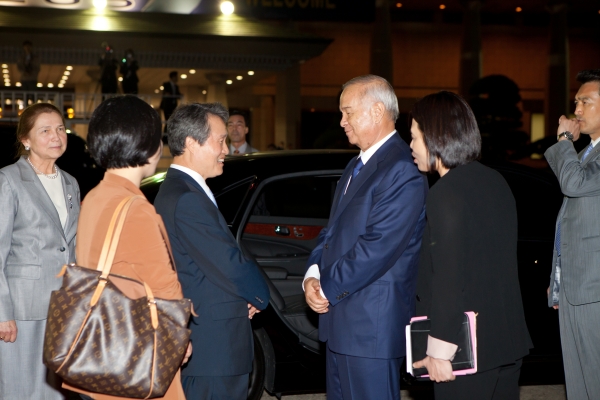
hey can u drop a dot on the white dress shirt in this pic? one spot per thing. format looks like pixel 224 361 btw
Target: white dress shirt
pixel 198 178
pixel 241 149
pixel 365 156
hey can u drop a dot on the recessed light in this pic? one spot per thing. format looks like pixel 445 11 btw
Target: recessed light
pixel 60 85
pixel 40 85
pixel 5 71
pixel 398 5
pixel 7 84
pixel 162 88
pixel 156 91
pixel 192 71
pixel 120 79
pixel 67 73
pixel 50 85
pixel 18 84
pixel 250 73
pixel 518 9
pixel 229 81
pixel 183 76
pixel 227 7
pixel 99 4
pixel 69 68
pixel 6 76
pixel 239 77
pixel 4 65
pixel 64 78
pixel 204 92
pixel 442 6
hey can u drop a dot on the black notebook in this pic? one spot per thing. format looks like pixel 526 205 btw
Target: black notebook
pixel 465 360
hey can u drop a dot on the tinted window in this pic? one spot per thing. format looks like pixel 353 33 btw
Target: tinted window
pixel 299 197
pixel 232 197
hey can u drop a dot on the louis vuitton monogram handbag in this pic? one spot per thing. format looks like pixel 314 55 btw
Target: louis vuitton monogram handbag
pixel 102 341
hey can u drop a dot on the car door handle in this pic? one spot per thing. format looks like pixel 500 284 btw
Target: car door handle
pixel 282 230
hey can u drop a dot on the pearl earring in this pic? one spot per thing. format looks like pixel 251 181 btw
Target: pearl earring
pixel 27 148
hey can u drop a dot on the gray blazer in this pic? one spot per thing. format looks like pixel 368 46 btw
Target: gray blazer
pixel 580 222
pixel 33 244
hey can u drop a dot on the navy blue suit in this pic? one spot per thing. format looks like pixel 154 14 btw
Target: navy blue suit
pixel 368 255
pixel 215 275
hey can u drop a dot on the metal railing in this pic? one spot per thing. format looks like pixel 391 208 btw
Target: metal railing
pixel 75 106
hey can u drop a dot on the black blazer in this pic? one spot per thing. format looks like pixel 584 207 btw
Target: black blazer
pixel 170 97
pixel 469 263
pixel 215 275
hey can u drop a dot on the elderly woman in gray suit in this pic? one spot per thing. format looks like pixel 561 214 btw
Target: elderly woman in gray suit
pixel 39 211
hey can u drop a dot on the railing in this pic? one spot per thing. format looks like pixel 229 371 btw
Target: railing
pixel 75 106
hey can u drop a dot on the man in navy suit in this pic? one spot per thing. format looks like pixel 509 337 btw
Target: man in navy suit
pixel 226 288
pixel 362 274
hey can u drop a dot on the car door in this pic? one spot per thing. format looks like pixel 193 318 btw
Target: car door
pixel 287 214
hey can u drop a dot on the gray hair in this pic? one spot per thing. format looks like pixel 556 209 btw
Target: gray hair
pixel 379 90
pixel 191 120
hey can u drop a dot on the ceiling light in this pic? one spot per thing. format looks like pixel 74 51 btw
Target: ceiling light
pixel 156 91
pixel 62 82
pixel 5 71
pixel 227 7
pixel 18 84
pixel 64 78
pixel 250 73
pixel 4 65
pixel 442 6
pixel 518 9
pixel 229 81
pixel 162 88
pixel 120 79
pixel 99 4
pixel 69 68
pixel 6 84
pixel 50 85
pixel 67 73
pixel 192 71
pixel 183 76
pixel 239 77
pixel 60 85
pixel 8 102
pixel 6 76
pixel 398 5
pixel 39 85
pixel 204 92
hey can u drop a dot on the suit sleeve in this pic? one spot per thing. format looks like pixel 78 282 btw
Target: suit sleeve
pixel 397 204
pixel 574 180
pixel 7 218
pixel 315 255
pixel 216 253
pixel 447 249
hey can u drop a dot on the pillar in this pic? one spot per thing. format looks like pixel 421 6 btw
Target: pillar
pixel 556 100
pixel 470 53
pixel 216 91
pixel 263 124
pixel 287 108
pixel 382 60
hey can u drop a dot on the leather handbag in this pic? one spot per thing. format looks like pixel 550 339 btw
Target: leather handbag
pixel 102 341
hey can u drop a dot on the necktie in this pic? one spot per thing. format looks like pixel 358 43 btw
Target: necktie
pixel 236 152
pixel 357 167
pixel 557 238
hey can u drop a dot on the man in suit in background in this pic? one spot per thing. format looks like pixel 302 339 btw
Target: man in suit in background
pixel 237 131
pixel 362 274
pixel 575 278
pixel 170 96
pixel 226 288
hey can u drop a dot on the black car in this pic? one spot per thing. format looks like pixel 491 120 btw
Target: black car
pixel 277 203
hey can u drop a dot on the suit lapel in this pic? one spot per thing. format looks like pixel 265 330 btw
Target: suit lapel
pixel 341 186
pixel 593 154
pixel 33 185
pixel 72 206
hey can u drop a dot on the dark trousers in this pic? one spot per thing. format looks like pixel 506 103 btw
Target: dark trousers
pixel 216 387
pixel 359 378
pixel 496 384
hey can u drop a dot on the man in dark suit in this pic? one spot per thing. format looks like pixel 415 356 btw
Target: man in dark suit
pixel 170 96
pixel 226 288
pixel 575 278
pixel 361 276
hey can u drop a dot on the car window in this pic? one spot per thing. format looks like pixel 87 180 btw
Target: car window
pixel 230 199
pixel 297 197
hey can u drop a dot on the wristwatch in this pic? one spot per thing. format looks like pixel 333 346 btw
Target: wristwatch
pixel 566 134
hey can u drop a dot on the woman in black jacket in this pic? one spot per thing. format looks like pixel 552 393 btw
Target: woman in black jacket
pixel 468 255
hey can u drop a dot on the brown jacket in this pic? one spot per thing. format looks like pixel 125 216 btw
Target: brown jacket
pixel 142 254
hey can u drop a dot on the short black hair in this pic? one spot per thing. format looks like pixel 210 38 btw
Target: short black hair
pixel 124 131
pixel 27 43
pixel 191 120
pixel 172 74
pixel 449 129
pixel 240 113
pixel 589 75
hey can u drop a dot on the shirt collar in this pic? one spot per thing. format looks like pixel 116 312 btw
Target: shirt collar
pixel 198 178
pixel 367 154
pixel 241 149
pixel 595 142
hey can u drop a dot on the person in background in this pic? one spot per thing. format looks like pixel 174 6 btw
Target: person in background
pixel 108 70
pixel 128 70
pixel 226 288
pixel 237 131
pixel 361 276
pixel 170 97
pixel 575 279
pixel 28 65
pixel 125 138
pixel 468 258
pixel 38 222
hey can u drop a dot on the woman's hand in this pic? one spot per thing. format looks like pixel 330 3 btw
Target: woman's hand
pixel 8 331
pixel 188 353
pixel 439 370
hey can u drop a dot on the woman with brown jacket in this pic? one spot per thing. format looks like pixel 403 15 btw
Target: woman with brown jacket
pixel 125 138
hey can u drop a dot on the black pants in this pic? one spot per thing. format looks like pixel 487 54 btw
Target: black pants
pixel 497 384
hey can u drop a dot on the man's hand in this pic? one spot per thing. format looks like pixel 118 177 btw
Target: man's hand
pixel 8 331
pixel 252 310
pixel 312 292
pixel 439 370
pixel 571 125
pixel 188 353
pixel 548 295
